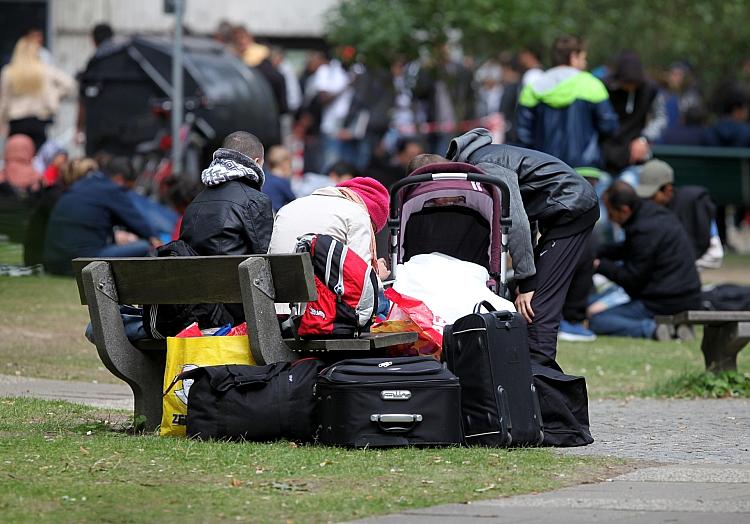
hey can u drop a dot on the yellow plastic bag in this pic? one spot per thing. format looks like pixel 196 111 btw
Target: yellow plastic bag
pixel 189 353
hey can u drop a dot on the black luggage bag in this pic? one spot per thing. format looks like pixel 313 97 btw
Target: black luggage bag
pixel 379 402
pixel 489 353
pixel 564 402
pixel 260 403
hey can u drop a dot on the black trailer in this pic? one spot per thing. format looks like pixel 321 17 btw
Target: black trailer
pixel 125 81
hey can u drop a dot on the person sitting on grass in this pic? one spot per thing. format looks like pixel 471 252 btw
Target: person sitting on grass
pixel 655 265
pixel 83 222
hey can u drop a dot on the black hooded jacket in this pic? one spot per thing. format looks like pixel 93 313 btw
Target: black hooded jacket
pixel 658 262
pixel 231 216
pixel 542 188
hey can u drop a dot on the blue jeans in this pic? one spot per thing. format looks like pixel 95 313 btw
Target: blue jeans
pixel 139 248
pixel 632 319
pixel 161 218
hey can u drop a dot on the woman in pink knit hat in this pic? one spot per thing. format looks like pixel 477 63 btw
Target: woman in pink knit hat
pixel 352 212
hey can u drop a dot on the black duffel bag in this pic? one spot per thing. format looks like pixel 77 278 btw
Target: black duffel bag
pixel 564 403
pixel 260 403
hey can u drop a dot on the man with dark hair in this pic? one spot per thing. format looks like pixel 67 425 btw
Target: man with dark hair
pixel 732 129
pixel 655 265
pixel 231 216
pixel 246 143
pixel 530 60
pixel 424 160
pixel 565 110
pixel 101 33
pixel 563 204
pixel 103 38
pixel 641 111
pixel 83 221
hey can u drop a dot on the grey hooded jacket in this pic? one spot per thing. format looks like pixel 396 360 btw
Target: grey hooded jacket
pixel 542 189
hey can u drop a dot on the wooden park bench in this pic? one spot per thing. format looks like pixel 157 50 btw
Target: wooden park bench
pixel 256 281
pixel 724 335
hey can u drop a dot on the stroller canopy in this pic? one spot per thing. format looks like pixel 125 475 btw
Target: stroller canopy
pixel 454 217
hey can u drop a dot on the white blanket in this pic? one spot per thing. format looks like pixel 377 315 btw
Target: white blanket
pixel 448 286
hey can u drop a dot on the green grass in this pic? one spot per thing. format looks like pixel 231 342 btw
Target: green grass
pixel 63 462
pixel 41 334
pixel 621 367
pixel 729 384
pixel 11 253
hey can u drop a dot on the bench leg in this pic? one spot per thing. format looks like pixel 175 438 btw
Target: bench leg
pixel 722 343
pixel 143 372
pixel 263 329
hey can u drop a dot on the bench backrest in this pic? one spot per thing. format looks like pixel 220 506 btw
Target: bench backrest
pixel 724 171
pixel 190 280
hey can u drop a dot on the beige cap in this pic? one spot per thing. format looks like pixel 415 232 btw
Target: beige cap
pixel 654 175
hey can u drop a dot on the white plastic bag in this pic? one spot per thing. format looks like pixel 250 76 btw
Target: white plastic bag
pixel 448 286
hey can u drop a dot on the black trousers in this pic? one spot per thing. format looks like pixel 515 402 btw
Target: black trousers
pixel 576 301
pixel 32 127
pixel 556 262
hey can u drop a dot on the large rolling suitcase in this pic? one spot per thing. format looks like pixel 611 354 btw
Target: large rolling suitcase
pixel 489 353
pixel 378 402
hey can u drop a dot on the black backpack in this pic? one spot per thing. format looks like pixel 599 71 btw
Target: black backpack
pixel 166 320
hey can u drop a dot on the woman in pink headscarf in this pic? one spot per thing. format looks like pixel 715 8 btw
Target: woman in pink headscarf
pixel 19 171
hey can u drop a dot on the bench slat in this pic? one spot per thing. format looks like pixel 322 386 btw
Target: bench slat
pixel 186 280
pixel 364 343
pixel 704 317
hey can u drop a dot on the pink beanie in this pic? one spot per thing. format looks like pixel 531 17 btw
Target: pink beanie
pixel 374 195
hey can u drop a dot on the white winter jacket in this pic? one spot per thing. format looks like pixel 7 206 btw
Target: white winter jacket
pixel 325 212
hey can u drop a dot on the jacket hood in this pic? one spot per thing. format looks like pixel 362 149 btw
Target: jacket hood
pixel 328 191
pixel 561 86
pixel 232 165
pixel 462 147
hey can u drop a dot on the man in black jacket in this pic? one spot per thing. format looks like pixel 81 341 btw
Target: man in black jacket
pixel 691 204
pixel 655 265
pixel 231 216
pixel 544 190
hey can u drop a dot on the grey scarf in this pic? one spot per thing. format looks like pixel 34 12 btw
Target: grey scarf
pixel 232 165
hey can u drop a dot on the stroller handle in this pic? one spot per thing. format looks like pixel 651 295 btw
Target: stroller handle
pixel 395 220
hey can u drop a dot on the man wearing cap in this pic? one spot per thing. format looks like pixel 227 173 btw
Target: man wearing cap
pixel 691 204
pixel 654 265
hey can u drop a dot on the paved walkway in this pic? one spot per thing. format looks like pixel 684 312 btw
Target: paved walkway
pixel 705 442
pixel 116 396
pixel 704 446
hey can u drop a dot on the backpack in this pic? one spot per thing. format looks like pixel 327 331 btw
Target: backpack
pixel 166 320
pixel 347 290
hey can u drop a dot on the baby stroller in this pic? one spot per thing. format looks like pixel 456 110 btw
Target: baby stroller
pixel 454 209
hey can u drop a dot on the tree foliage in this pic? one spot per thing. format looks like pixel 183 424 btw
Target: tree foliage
pixel 712 35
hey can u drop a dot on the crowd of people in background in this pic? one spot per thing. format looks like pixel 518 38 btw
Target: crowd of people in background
pixel 342 119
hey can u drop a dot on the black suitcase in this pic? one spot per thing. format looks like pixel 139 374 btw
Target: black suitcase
pixel 489 353
pixel 380 402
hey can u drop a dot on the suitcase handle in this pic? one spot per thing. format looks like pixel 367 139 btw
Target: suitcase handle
pixel 396 418
pixel 489 307
pixel 502 315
